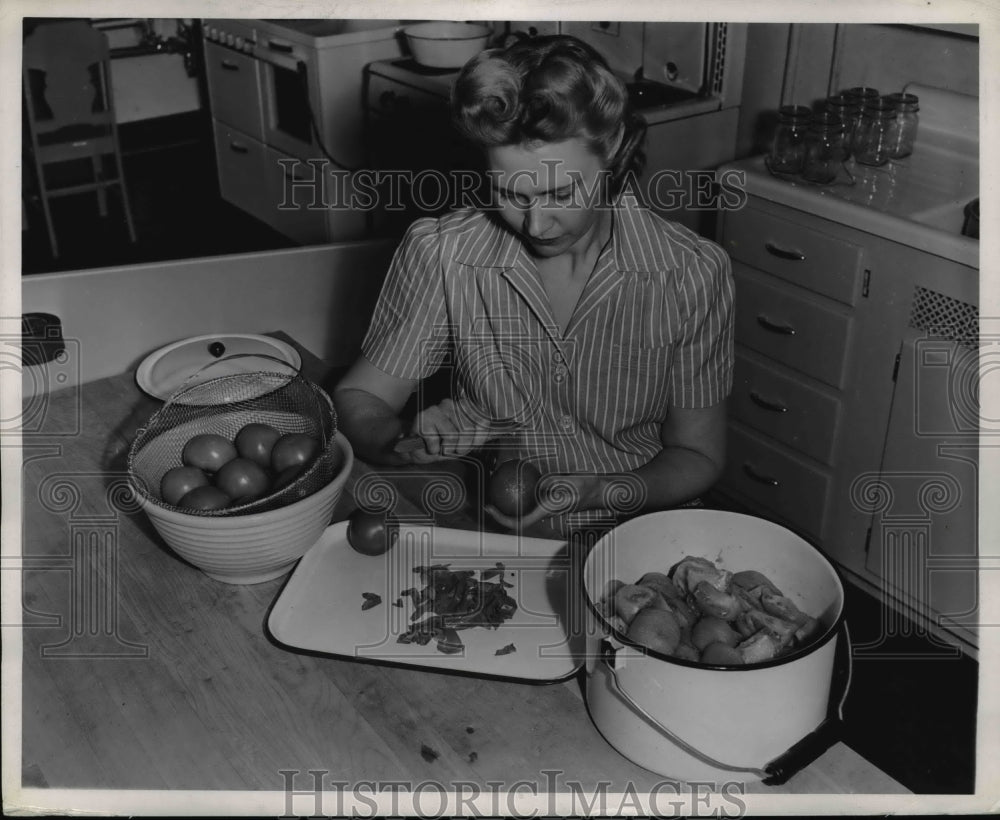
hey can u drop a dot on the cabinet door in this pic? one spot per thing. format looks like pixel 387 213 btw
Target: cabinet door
pixel 240 160
pixel 234 89
pixel 924 544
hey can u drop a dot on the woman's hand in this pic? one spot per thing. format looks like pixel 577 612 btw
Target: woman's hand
pixel 448 429
pixel 556 494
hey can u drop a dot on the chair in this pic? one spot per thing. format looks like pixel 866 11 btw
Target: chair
pixel 70 116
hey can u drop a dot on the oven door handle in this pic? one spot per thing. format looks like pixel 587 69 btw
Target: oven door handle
pixel 282 57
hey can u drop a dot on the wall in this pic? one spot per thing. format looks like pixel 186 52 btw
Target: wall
pixel 801 64
pixel 113 317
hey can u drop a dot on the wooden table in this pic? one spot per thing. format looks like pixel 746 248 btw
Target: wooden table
pixel 140 672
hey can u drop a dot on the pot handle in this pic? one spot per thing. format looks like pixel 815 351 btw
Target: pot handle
pixel 608 654
pixel 789 763
pixel 826 734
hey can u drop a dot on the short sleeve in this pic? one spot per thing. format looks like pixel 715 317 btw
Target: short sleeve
pixel 408 334
pixel 702 372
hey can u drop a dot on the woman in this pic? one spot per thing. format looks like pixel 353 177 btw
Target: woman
pixel 594 333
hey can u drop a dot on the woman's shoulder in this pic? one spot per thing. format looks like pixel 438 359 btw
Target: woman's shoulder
pixel 448 224
pixel 667 245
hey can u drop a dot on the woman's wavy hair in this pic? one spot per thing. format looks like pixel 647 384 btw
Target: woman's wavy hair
pixel 549 89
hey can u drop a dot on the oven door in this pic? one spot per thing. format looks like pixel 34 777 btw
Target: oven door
pixel 289 88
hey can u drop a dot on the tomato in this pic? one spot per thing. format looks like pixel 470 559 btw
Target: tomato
pixel 371 533
pixel 179 481
pixel 292 450
pixel 255 442
pixel 208 451
pixel 511 488
pixel 205 498
pixel 241 477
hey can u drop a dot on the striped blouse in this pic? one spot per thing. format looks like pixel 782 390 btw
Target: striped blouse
pixel 652 329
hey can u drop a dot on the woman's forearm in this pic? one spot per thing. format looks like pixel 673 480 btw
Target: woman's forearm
pixel 673 477
pixel 370 425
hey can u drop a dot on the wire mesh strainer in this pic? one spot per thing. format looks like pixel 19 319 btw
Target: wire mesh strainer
pixel 224 405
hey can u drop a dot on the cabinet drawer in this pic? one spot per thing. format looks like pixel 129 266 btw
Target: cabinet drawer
pixel 815 260
pixel 234 89
pixel 782 484
pixel 775 403
pixel 240 160
pixel 792 329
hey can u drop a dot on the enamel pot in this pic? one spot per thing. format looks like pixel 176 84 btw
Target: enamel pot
pixel 693 722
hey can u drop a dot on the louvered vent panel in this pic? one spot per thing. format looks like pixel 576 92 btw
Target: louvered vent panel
pixel 945 317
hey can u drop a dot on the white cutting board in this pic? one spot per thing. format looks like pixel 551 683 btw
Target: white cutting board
pixel 319 608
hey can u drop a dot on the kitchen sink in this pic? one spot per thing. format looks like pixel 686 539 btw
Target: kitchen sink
pixel 948 217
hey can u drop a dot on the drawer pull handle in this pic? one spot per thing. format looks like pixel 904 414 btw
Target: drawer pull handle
pixel 760 401
pixel 759 478
pixel 239 147
pixel 229 65
pixel 783 253
pixel 774 327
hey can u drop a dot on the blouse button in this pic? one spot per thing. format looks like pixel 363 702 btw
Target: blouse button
pixel 566 421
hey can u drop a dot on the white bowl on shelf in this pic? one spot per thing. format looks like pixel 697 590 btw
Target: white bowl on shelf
pixel 443 44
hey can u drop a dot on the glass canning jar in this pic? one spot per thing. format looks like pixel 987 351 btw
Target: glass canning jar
pixel 872 140
pixel 824 148
pixel 903 133
pixel 859 96
pixel 788 148
pixel 845 109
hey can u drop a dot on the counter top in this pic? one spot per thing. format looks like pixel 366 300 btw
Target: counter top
pixel 918 201
pixel 140 672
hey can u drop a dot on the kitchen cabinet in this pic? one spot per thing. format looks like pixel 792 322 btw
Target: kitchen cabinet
pixel 285 98
pixel 234 88
pixel 853 417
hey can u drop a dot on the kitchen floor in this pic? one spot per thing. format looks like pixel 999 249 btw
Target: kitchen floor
pixel 911 710
pixel 170 171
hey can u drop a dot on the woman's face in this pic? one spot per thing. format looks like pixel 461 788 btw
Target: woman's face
pixel 549 193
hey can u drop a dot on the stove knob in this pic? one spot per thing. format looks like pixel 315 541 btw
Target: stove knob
pixel 239 43
pixel 210 32
pixel 230 40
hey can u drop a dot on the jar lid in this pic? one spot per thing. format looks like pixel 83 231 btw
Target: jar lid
pixel 908 102
pixel 825 120
pixel 881 107
pixel 795 113
pixel 861 92
pixel 842 100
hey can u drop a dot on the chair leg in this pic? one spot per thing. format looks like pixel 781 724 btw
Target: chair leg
pixel 102 195
pixel 124 189
pixel 43 194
